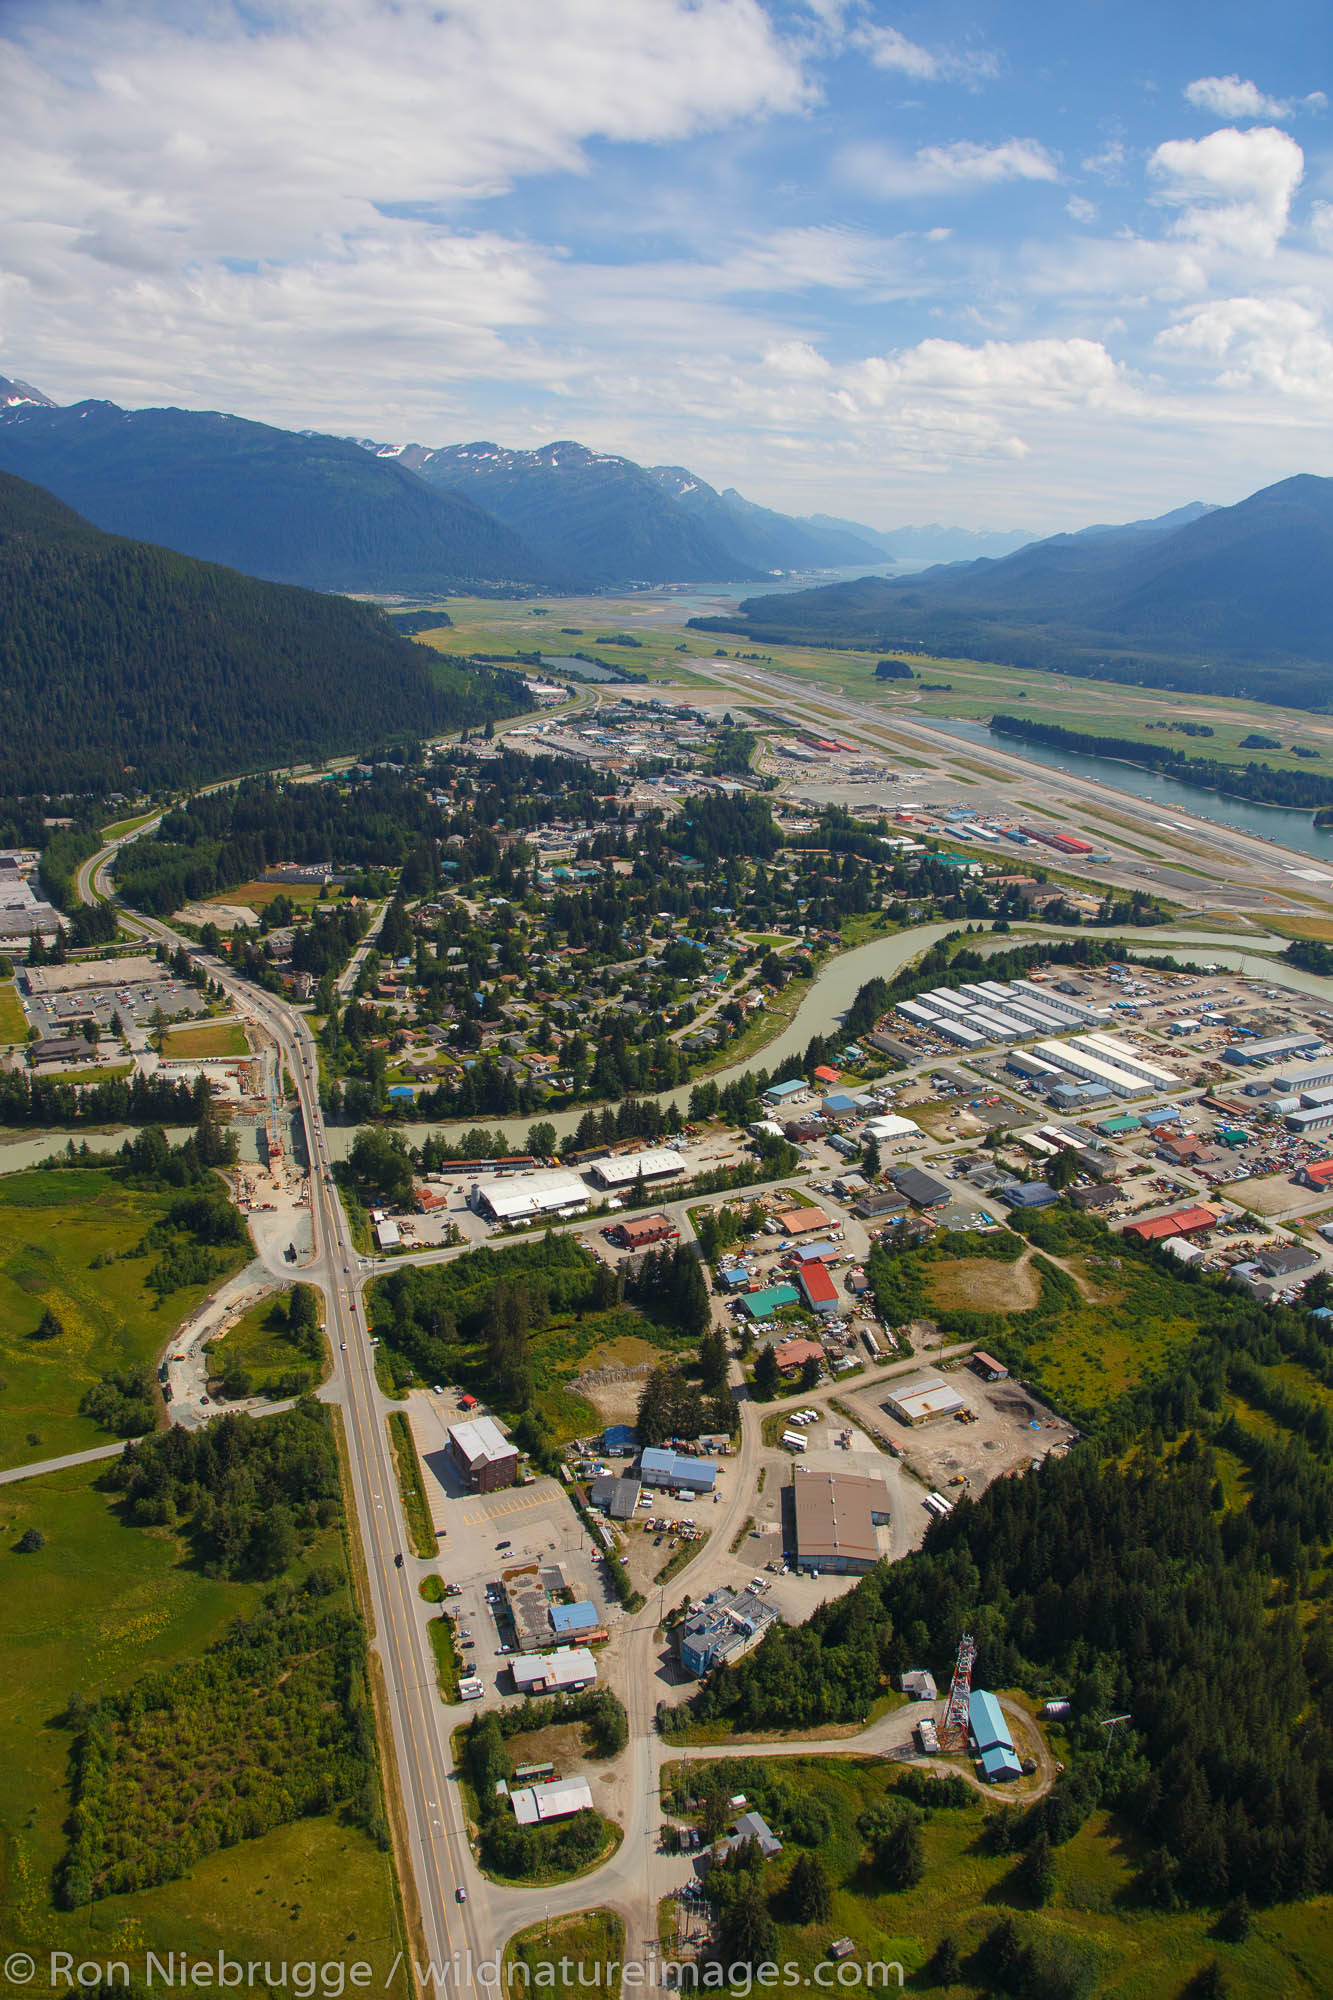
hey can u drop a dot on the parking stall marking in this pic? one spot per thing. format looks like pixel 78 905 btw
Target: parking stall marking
pixel 476 1520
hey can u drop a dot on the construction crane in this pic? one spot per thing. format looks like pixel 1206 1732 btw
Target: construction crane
pixel 957 1715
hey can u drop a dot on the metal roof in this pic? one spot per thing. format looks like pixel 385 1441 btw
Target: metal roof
pixel 835 1516
pixel 481 1441
pixel 986 1722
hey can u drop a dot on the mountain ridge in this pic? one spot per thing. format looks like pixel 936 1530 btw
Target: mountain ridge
pixel 1234 600
pixel 286 507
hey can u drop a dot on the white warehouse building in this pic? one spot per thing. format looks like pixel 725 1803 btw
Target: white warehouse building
pixel 658 1163
pixel 1083 1062
pixel 518 1197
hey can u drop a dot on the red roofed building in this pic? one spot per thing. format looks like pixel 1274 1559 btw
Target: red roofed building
pixel 826 1075
pixel 821 1294
pixel 1180 1222
pixel 795 1353
pixel 1318 1174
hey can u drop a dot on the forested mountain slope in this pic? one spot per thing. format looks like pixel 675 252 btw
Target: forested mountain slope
pixel 122 661
pixel 293 508
pixel 1236 600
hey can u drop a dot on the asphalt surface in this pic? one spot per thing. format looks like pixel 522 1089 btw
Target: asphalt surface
pixel 41 1465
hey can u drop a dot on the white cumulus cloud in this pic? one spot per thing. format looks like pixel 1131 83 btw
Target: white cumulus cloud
pixel 1237 97
pixel 1233 189
pixel 1279 344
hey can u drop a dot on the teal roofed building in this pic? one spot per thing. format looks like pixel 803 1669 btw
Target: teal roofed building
pixel 758 1305
pixel 991 1740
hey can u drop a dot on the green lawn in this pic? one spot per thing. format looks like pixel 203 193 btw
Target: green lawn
pixel 94 1609
pixel 209 1038
pixel 13 1020
pixel 1139 1953
pixel 55 1227
pixel 260 1341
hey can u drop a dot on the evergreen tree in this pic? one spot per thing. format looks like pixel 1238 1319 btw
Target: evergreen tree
pixel 745 1934
pixel 1035 1874
pixel 808 1890
pixel 713 1360
pixel 767 1374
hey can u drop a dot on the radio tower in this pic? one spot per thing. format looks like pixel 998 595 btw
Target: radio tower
pixel 954 1728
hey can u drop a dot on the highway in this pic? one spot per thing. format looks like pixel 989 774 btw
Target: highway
pixel 431 1812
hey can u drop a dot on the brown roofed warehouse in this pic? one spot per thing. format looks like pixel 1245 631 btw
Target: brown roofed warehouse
pixel 836 1518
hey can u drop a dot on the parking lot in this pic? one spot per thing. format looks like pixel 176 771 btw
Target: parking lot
pixel 481 1535
pixel 53 1013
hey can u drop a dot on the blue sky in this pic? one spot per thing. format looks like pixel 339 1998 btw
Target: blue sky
pixel 1008 266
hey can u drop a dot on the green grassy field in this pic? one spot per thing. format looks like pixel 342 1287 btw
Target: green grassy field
pixel 589 1938
pixel 13 1020
pixel 1137 1953
pixel 1125 1331
pixel 260 1341
pixel 977 689
pixel 209 1038
pixel 258 895
pixel 95 1608
pixel 68 1241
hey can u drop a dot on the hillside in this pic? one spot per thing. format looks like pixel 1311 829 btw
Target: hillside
pixel 1229 600
pixel 588 514
pixel 117 658
pixel 291 508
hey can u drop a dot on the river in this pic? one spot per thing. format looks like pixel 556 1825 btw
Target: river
pixel 837 984
pixel 1287 826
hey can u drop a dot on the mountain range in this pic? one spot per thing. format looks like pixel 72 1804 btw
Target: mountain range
pixel 123 665
pixel 1234 600
pixel 355 515
pixel 290 508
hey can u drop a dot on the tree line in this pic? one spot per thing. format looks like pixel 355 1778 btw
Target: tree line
pixel 1263 782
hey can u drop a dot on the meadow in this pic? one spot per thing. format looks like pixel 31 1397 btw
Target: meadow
pixel 589 1938
pixel 261 1342
pixel 97 1607
pixel 69 1242
pixel 976 688
pixel 208 1038
pixel 13 1020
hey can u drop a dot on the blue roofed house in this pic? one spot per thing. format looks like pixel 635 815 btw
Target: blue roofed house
pixel 619 1437
pixel 991 1740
